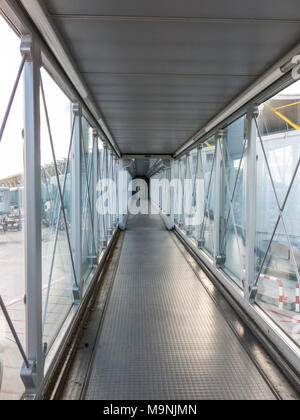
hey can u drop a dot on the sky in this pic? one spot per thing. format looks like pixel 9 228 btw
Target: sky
pixel 11 146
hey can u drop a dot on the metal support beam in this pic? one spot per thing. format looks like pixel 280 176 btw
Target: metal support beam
pixel 116 180
pixel 95 186
pixel 187 207
pixel 218 258
pixel 172 197
pixel 100 204
pixel 123 192
pixel 106 177
pixel 110 200
pixel 200 195
pixel 77 202
pixel 32 376
pixel 180 195
pixel 250 289
pixel 113 193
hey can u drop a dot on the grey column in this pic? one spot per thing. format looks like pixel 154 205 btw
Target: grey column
pixel 102 216
pixel 77 202
pixel 95 189
pixel 172 197
pixel 218 259
pixel 200 194
pixel 110 195
pixel 249 289
pixel 33 375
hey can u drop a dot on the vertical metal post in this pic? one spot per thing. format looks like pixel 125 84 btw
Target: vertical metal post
pixel 77 202
pixel 32 376
pixel 123 193
pixel 103 217
pixel 180 195
pixel 218 259
pixel 200 196
pixel 106 177
pixel 250 289
pixel 187 195
pixel 116 180
pixel 110 193
pixel 114 192
pixel 95 189
pixel 172 197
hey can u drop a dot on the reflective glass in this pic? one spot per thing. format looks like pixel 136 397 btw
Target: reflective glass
pixel 207 228
pixel 87 180
pixel 194 176
pixel 57 273
pixel 233 184
pixel 278 239
pixel 12 252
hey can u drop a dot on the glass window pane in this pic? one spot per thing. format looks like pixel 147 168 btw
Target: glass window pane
pixel 57 273
pixel 87 180
pixel 279 261
pixel 194 177
pixel 12 252
pixel 207 228
pixel 233 217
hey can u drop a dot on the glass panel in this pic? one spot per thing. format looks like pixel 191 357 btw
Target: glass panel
pixel 176 192
pixel 12 267
pixel 207 229
pixel 87 194
pixel 193 160
pixel 101 218
pixel 279 124
pixel 166 191
pixel 57 274
pixel 233 218
pixel 182 174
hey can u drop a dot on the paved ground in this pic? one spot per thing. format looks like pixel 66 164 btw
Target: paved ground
pixel 12 289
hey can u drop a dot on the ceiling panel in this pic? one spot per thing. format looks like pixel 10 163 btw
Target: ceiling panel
pixel 180 48
pixel 160 70
pixel 266 9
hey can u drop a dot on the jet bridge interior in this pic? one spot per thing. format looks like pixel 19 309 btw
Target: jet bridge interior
pixel 154 222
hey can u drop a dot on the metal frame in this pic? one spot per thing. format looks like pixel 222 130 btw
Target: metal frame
pixel 172 198
pixel 32 376
pixel 187 188
pixel 207 191
pixel 95 184
pixel 76 202
pixel 250 290
pixel 199 175
pixel 219 160
pixel 102 216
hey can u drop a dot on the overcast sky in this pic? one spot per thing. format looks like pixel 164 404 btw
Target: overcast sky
pixel 11 147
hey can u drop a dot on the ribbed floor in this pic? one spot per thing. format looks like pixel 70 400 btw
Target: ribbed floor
pixel 162 335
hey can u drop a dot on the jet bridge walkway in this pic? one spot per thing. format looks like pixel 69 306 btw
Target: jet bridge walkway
pixel 162 336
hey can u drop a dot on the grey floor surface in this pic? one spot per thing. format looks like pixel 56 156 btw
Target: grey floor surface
pixel 163 338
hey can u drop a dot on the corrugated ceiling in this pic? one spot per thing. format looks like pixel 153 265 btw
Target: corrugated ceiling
pixel 160 69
